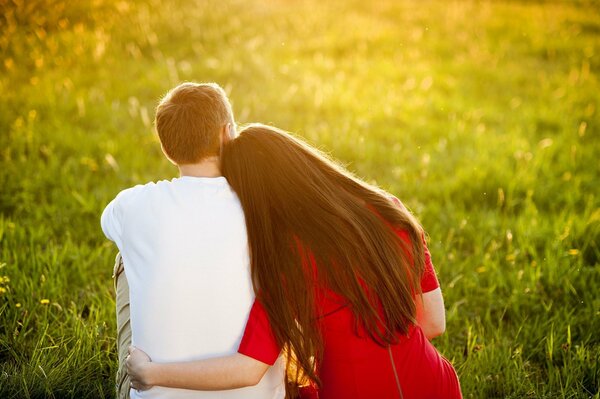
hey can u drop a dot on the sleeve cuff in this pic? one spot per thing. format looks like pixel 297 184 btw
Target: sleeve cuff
pixel 258 341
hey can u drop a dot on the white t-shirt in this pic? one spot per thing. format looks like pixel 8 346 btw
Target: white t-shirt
pixel 185 251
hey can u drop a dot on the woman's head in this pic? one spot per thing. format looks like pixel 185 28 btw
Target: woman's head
pixel 311 224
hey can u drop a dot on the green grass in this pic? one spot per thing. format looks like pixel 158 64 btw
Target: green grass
pixel 483 117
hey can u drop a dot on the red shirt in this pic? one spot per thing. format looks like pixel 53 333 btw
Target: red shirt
pixel 353 365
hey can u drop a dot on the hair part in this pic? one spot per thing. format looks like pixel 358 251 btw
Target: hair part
pixel 312 227
pixel 189 120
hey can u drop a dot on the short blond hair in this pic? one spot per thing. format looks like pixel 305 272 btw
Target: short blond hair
pixel 189 120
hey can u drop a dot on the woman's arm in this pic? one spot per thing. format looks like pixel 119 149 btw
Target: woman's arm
pixel 431 315
pixel 227 372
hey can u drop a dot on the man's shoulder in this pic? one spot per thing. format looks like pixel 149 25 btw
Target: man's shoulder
pixel 139 191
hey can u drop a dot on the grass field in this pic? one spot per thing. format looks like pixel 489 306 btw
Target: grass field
pixel 483 117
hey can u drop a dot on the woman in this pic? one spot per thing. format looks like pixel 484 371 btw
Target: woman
pixel 344 283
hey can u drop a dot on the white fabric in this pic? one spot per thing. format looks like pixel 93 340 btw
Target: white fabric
pixel 185 251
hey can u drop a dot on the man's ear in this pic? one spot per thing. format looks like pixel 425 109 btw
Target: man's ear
pixel 166 155
pixel 226 135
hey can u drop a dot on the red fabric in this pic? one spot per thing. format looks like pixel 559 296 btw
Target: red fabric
pixel 353 365
pixel 429 280
pixel 258 341
pixel 309 392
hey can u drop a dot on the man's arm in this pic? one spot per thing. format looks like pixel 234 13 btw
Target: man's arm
pixel 227 372
pixel 113 215
pixel 431 315
pixel 110 221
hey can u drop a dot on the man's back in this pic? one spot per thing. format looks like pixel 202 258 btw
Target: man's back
pixel 185 252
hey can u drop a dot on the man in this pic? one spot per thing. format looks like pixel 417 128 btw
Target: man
pixel 185 250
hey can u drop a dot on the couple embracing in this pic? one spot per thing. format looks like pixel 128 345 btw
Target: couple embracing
pixel 266 270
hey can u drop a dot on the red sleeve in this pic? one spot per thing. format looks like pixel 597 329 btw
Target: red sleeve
pixel 258 341
pixel 429 281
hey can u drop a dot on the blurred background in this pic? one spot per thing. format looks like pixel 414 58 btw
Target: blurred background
pixel 481 116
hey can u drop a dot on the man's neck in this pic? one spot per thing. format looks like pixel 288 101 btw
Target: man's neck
pixel 206 168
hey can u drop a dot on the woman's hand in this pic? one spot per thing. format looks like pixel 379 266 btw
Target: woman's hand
pixel 138 367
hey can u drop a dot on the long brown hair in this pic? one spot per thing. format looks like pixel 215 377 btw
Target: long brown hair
pixel 311 225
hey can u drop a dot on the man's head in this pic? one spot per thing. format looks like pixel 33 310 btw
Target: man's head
pixel 192 120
